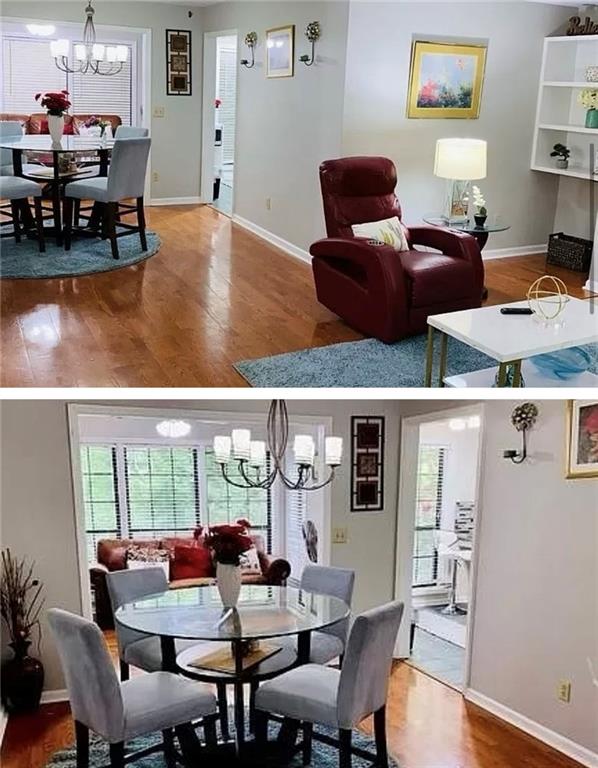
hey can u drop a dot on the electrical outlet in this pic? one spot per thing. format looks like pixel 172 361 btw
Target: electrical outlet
pixel 158 112
pixel 268 203
pixel 339 536
pixel 155 176
pixel 564 691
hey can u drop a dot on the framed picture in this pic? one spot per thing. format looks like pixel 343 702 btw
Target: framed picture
pixel 178 62
pixel 367 463
pixel 280 53
pixel 445 80
pixel 582 438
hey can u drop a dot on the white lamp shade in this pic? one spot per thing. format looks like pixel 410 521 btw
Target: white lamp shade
pixel 122 53
pixel 241 444
pixel 222 446
pixel 334 451
pixel 59 48
pixel 462 159
pixel 97 52
pixel 80 52
pixel 111 53
pixel 304 450
pixel 257 453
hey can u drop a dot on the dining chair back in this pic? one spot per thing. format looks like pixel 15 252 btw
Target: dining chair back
pixel 8 129
pixel 128 166
pixel 335 582
pixel 130 132
pixel 363 684
pixel 91 681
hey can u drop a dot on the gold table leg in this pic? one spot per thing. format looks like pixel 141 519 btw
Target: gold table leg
pixel 502 374
pixel 429 357
pixel 517 373
pixel 443 350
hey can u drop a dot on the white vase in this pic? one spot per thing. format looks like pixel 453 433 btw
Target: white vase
pixel 228 580
pixel 56 128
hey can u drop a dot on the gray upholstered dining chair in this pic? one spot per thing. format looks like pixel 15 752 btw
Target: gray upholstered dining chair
pixel 118 712
pixel 9 129
pixel 317 694
pixel 18 191
pixel 130 132
pixel 125 180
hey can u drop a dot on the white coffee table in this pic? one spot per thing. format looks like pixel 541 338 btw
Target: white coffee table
pixel 510 339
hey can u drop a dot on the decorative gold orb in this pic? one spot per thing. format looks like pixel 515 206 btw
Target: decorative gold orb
pixel 547 297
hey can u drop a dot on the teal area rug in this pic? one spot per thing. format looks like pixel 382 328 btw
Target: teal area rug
pixel 87 256
pixel 367 363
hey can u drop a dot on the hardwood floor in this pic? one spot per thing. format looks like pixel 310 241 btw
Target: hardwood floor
pixel 213 295
pixel 429 726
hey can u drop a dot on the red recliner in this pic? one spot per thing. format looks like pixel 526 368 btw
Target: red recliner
pixel 375 289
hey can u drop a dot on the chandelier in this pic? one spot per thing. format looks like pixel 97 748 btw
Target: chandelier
pixel 251 455
pixel 89 55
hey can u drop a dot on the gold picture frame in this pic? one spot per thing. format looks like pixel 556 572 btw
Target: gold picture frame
pixel 445 80
pixel 582 439
pixel 280 51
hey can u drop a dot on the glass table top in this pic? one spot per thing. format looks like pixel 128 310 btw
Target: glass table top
pixel 492 224
pixel 196 613
pixel 43 143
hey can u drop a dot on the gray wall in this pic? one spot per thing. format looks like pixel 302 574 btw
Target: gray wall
pixel 176 138
pixel 376 95
pixel 286 127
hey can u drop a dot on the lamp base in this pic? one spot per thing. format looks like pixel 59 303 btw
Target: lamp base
pixel 457 202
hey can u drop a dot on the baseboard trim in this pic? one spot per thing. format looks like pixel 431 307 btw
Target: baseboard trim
pixel 273 239
pixel 175 201
pixel 591 286
pixel 553 739
pixel 508 253
pixel 52 697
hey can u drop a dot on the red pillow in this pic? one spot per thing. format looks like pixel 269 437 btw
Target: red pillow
pixel 68 128
pixel 191 563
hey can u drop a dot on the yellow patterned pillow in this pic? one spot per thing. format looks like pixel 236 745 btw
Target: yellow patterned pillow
pixel 388 231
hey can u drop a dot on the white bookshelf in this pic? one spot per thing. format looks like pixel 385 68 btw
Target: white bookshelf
pixel 559 117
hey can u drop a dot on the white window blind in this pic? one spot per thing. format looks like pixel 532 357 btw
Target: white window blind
pixel 430 484
pixel 226 92
pixel 100 495
pixel 296 514
pixel 27 69
pixel 97 95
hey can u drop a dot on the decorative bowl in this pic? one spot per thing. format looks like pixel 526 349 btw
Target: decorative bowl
pixel 592 74
pixel 564 364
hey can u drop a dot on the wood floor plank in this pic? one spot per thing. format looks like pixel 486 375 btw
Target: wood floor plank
pixel 213 295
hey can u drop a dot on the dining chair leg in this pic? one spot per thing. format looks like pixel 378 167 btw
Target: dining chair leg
pixel 39 224
pixel 117 755
pixel 223 711
pixel 82 741
pixel 68 222
pixel 14 209
pixel 380 734
pixel 111 228
pixel 308 732
pixel 261 728
pixel 253 689
pixel 141 223
pixel 124 671
pixel 77 209
pixel 344 748
pixel 169 750
pixel 209 730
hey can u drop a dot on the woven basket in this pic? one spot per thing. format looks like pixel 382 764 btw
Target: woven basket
pixel 570 252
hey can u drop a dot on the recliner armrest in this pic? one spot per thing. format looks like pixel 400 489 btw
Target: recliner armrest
pixel 450 242
pixel 357 249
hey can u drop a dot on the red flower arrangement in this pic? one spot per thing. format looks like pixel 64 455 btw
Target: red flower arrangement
pixel 55 103
pixel 229 541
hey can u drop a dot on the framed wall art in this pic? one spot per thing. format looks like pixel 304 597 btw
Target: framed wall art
pixel 446 80
pixel 178 62
pixel 582 438
pixel 367 463
pixel 280 51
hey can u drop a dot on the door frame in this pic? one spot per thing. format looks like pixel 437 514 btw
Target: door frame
pixel 207 128
pixel 408 458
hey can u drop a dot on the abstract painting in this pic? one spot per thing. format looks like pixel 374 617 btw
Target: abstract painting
pixel 582 438
pixel 178 62
pixel 280 43
pixel 445 80
pixel 367 463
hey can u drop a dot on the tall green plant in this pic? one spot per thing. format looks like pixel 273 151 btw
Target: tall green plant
pixel 21 598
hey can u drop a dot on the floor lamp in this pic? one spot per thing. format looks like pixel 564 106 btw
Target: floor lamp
pixel 460 161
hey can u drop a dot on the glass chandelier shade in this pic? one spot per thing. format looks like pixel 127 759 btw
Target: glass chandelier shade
pixel 89 56
pixel 252 455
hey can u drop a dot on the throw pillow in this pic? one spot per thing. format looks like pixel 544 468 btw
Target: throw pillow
pixel 250 562
pixel 388 231
pixel 191 563
pixel 139 556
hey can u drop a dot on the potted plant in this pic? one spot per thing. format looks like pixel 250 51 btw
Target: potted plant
pixel 481 212
pixel 588 98
pixel 228 542
pixel 20 606
pixel 561 152
pixel 56 104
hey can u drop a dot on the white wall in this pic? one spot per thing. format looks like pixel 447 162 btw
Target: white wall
pixel 378 58
pixel 287 126
pixel 176 138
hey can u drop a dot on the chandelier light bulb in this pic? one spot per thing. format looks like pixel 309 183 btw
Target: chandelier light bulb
pixel 222 448
pixel 257 453
pixel 241 444
pixel 334 451
pixel 304 450
pixel 173 428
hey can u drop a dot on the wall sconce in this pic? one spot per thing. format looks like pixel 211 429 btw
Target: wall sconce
pixel 313 33
pixel 250 42
pixel 523 418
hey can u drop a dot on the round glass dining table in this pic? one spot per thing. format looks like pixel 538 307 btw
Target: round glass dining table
pixel 263 613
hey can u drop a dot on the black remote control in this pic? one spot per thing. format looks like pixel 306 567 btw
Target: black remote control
pixel 516 311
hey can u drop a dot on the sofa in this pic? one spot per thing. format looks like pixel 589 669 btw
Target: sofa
pixel 112 556
pixel 34 123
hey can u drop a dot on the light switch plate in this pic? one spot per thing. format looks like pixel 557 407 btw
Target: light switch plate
pixel 339 536
pixel 158 112
pixel 564 691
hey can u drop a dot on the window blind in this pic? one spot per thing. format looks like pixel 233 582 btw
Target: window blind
pixel 430 483
pixel 100 495
pixel 113 95
pixel 296 514
pixel 27 69
pixel 227 92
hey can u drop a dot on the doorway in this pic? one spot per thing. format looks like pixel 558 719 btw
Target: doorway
pixel 438 515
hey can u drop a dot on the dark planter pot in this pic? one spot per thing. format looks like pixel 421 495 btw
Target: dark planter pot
pixel 22 679
pixel 479 220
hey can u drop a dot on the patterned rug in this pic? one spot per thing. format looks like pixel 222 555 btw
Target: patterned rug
pixel 367 363
pixel 87 256
pixel 323 756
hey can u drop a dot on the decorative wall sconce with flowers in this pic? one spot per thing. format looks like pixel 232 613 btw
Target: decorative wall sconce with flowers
pixel 250 42
pixel 523 418
pixel 313 33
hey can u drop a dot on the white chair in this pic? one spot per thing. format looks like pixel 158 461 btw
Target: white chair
pixel 9 129
pixel 316 694
pixel 126 179
pixel 119 712
pixel 130 132
pixel 18 191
